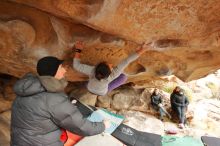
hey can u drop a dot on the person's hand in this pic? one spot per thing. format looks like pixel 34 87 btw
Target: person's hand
pixel 142 48
pixel 146 45
pixel 107 123
pixel 160 105
pixel 79 45
pixel 154 46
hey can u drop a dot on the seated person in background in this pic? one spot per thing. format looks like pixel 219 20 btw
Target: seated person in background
pixel 180 103
pixel 156 102
pixel 103 77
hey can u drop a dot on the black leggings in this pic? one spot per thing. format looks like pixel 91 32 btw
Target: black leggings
pixel 181 113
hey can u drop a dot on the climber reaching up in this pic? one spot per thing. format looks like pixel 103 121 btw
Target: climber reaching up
pixel 103 77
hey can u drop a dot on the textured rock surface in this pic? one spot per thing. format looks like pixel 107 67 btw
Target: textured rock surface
pixel 143 122
pixel 5 119
pixel 4 105
pixel 111 29
pixel 104 101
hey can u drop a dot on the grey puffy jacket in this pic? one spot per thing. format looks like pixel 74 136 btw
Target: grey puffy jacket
pixel 40 109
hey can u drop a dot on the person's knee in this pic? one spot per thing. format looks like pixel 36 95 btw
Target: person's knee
pixel 177 110
pixel 123 77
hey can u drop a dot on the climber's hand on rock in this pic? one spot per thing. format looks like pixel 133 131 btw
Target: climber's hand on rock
pixel 146 45
pixel 78 46
pixel 154 46
pixel 143 48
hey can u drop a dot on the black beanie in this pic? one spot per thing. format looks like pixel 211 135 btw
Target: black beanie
pixel 48 66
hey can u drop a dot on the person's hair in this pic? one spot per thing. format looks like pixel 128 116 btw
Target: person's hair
pixel 177 89
pixel 154 92
pixel 102 71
